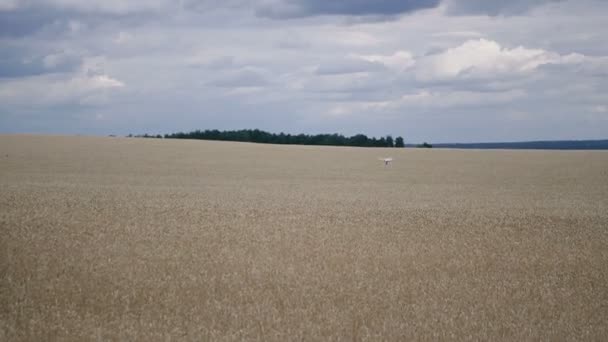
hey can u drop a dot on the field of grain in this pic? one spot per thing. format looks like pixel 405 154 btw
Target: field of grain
pixel 145 239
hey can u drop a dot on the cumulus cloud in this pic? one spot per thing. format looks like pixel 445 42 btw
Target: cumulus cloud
pixel 88 85
pixel 451 99
pixel 399 61
pixel 426 100
pixel 352 38
pixel 43 91
pixel 486 59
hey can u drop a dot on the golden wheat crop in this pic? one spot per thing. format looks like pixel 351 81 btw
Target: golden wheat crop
pixel 137 239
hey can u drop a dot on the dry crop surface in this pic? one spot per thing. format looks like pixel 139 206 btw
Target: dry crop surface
pixel 137 239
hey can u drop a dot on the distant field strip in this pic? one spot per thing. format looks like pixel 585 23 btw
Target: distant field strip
pixel 153 239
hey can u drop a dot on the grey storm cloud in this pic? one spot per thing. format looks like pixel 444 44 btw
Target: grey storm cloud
pixel 493 7
pixel 24 18
pixel 28 17
pixel 24 21
pixel 285 9
pixel 14 65
pixel 303 8
pixel 52 21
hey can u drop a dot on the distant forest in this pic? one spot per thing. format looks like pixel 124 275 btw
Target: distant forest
pixel 534 145
pixel 361 140
pixel 259 136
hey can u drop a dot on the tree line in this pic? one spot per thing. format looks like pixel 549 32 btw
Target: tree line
pixel 259 136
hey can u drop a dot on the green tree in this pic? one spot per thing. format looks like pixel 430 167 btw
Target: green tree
pixel 389 141
pixel 399 142
pixel 259 136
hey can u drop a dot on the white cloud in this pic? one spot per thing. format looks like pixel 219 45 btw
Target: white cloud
pixel 456 99
pixel 427 100
pixel 453 99
pixel 348 66
pixel 457 34
pixel 351 38
pixel 87 85
pixel 399 61
pixel 100 82
pixel 486 59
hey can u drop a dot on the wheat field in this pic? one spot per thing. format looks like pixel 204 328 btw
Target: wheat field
pixel 155 240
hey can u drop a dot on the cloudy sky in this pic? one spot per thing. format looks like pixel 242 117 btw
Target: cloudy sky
pixel 429 70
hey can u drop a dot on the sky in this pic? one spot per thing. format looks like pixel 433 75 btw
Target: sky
pixel 427 70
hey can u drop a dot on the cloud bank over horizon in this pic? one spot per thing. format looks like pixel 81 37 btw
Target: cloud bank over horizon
pixel 429 70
